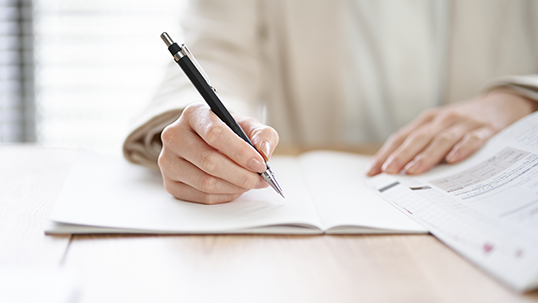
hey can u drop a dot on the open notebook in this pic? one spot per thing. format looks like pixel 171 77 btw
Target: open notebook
pixel 325 193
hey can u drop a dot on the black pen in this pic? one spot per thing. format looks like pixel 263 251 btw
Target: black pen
pixel 200 80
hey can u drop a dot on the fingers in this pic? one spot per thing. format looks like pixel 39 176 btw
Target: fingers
pixel 187 193
pixel 203 160
pixel 448 133
pixel 434 153
pixel 211 162
pixel 219 136
pixel 380 157
pixel 452 132
pixel 180 170
pixel 471 142
pixel 396 140
pixel 412 145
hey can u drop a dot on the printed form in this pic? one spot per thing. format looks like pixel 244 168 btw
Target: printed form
pixel 486 207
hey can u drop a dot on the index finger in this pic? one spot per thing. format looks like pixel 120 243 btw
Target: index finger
pixel 221 137
pixel 395 140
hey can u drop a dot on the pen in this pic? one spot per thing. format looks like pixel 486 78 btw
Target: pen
pixel 200 80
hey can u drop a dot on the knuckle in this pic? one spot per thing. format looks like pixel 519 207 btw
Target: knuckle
pixel 187 113
pixel 172 135
pixel 445 138
pixel 209 161
pixel 167 135
pixel 161 160
pixel 213 133
pixel 191 109
pixel 421 135
pixel 208 184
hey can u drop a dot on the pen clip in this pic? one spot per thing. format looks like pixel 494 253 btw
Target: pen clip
pixel 186 52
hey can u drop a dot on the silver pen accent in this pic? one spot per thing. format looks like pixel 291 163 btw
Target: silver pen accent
pixel 184 51
pixel 269 177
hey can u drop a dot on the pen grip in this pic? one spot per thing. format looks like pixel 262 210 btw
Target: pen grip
pixel 210 97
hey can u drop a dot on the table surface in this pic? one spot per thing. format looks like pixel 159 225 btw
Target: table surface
pixel 235 268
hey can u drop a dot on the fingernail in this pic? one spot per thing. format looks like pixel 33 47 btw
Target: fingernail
pixel 255 165
pixel 413 167
pixel 262 184
pixel 452 156
pixel 266 149
pixel 371 169
pixel 390 166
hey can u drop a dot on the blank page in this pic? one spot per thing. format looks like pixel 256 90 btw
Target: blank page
pixel 337 184
pixel 110 192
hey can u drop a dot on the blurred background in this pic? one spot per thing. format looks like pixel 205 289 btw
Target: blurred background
pixel 74 73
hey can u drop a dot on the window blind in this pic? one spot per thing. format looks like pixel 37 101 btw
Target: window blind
pixel 17 111
pixel 97 64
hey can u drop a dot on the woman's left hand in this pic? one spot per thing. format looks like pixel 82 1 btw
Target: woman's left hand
pixel 451 133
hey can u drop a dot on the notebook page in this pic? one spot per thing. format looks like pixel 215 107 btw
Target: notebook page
pixel 110 192
pixel 341 197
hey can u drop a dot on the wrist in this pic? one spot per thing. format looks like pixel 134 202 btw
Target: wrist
pixel 508 105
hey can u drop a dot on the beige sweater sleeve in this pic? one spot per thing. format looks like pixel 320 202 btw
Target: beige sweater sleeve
pixel 224 38
pixel 526 86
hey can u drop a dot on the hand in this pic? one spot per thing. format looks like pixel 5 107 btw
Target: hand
pixel 451 133
pixel 203 160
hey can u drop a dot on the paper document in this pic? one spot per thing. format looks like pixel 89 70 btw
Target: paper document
pixel 486 207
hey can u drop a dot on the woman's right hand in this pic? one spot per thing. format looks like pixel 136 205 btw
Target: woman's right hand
pixel 203 160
